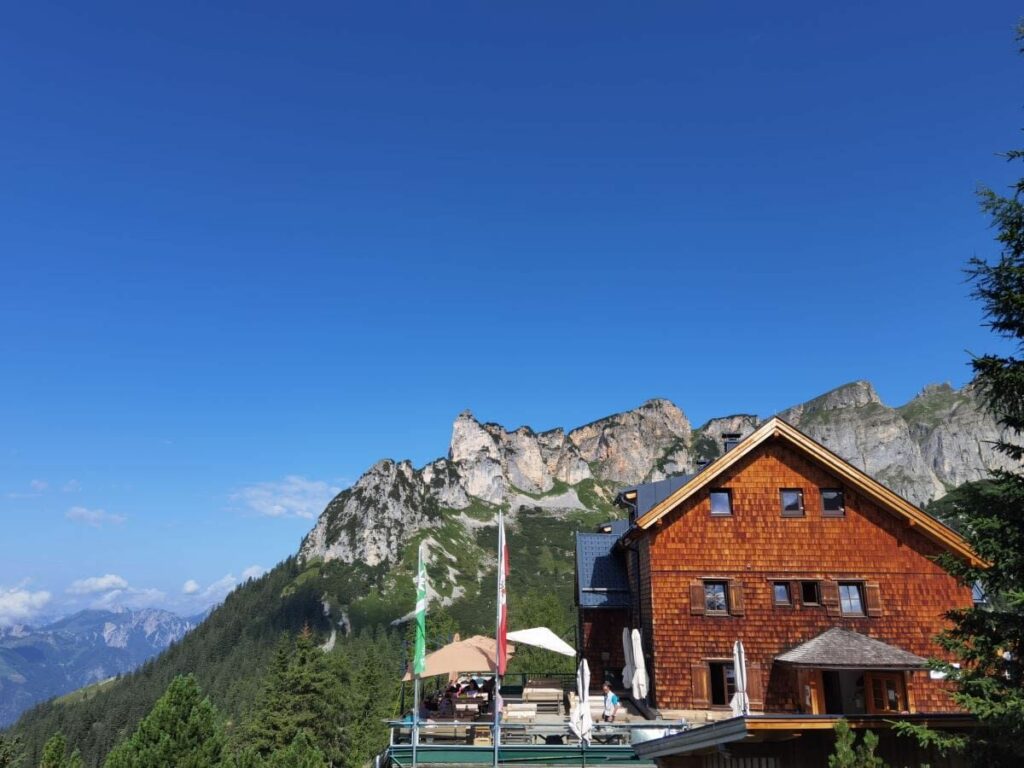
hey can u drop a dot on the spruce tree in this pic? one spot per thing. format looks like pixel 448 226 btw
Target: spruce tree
pixel 55 754
pixel 11 751
pixel 849 754
pixel 301 753
pixel 183 729
pixel 303 691
pixel 988 640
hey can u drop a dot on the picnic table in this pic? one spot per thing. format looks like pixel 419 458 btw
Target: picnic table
pixel 546 693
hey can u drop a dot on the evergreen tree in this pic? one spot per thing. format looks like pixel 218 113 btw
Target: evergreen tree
pixel 374 659
pixel 183 729
pixel 301 753
pixel 849 754
pixel 303 691
pixel 55 754
pixel 989 640
pixel 11 751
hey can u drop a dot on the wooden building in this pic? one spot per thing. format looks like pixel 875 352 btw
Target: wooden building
pixel 828 578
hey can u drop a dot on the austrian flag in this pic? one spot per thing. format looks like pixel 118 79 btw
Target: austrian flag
pixel 503 571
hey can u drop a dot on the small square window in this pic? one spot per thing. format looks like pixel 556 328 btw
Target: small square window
pixel 792 502
pixel 781 592
pixel 832 504
pixel 809 593
pixel 721 502
pixel 851 598
pixel 716 597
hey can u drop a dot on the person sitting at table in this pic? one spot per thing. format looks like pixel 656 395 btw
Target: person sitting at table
pixel 472 690
pixel 446 708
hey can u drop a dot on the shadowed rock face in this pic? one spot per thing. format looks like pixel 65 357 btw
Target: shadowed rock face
pixel 939 440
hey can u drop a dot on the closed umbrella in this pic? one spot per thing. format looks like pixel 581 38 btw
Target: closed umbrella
pixel 639 679
pixel 583 722
pixel 627 654
pixel 740 702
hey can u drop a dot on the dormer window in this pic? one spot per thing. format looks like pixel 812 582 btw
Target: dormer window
pixel 721 501
pixel 730 441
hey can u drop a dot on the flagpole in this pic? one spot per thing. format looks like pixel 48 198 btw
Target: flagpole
pixel 496 698
pixel 420 651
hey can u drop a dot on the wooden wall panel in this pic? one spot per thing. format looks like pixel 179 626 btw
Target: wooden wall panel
pixel 756 545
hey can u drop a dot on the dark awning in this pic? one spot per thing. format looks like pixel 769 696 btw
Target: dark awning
pixel 843 649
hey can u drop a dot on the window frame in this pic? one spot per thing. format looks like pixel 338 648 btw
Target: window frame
pixel 724 611
pixel 802 512
pixel 841 512
pixel 861 597
pixel 817 592
pixel 720 668
pixel 728 496
pixel 787 586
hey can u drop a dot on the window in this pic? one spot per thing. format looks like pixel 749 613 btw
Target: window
pixel 885 693
pixel 723 683
pixel 721 502
pixel 809 594
pixel 832 502
pixel 781 591
pixel 792 502
pixel 716 597
pixel 851 598
pixel 730 441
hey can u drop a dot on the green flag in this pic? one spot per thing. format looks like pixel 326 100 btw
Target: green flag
pixel 419 662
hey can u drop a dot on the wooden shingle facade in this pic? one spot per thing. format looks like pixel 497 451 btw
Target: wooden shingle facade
pixel 774 544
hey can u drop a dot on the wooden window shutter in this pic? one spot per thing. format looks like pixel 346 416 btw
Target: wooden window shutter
pixel 830 597
pixel 755 686
pixel 872 599
pixel 795 595
pixel 700 682
pixel 736 597
pixel 697 597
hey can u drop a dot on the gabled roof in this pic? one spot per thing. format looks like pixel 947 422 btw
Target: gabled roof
pixel 842 649
pixel 600 571
pixel 778 429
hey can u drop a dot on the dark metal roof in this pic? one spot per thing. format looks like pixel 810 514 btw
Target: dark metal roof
pixel 648 495
pixel 600 570
pixel 842 649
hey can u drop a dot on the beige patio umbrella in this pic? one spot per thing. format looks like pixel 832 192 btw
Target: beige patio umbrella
pixel 474 654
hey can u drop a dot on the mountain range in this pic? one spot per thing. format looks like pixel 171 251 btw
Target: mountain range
pixel 87 647
pixel 353 570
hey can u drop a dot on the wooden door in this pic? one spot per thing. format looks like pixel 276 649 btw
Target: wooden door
pixel 885 693
pixel 812 696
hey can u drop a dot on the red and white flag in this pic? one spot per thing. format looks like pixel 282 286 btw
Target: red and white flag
pixel 503 571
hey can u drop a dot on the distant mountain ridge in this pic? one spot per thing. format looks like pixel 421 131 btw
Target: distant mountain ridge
pixel 936 442
pixel 81 649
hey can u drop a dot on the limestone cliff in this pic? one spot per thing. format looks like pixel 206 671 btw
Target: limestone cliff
pixel 939 440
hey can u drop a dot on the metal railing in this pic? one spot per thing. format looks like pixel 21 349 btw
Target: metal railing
pixel 454 733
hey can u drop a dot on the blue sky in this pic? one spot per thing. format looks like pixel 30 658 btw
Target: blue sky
pixel 249 249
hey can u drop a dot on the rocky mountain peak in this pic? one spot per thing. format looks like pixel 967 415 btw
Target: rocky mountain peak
pixel 938 440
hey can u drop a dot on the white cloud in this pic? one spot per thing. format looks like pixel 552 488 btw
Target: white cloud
pixel 93 517
pixel 295 496
pixel 39 485
pixel 95 584
pixel 130 598
pixel 18 604
pixel 71 486
pixel 220 589
pixel 253 572
pixel 190 587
